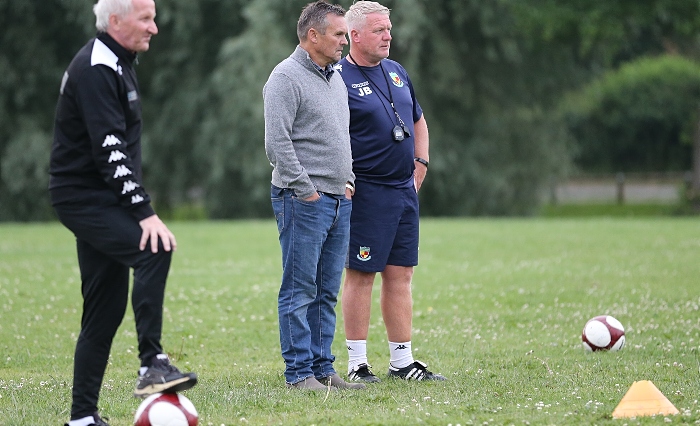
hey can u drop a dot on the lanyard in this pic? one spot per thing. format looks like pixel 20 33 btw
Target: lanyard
pixel 389 98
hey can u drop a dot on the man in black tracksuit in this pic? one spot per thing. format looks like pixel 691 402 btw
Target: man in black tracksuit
pixel 97 192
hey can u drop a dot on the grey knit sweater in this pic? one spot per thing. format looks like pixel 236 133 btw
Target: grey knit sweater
pixel 307 119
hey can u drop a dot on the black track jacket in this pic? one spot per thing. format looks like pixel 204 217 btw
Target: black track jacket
pixel 97 130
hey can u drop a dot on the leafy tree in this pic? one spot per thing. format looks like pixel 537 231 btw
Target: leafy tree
pixel 174 76
pixel 37 43
pixel 490 75
pixel 238 178
pixel 485 94
pixel 462 59
pixel 603 33
pixel 23 169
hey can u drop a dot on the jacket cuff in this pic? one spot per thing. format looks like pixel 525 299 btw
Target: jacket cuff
pixel 143 211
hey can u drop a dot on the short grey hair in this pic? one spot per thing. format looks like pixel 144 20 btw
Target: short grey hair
pixel 314 15
pixel 357 13
pixel 104 8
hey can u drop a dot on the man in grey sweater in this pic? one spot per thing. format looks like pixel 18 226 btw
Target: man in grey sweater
pixel 307 141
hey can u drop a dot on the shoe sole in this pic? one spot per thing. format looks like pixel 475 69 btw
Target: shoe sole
pixel 410 379
pixel 365 380
pixel 346 385
pixel 173 386
pixel 312 389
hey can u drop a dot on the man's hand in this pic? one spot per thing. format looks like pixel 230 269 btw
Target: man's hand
pixel 154 229
pixel 314 197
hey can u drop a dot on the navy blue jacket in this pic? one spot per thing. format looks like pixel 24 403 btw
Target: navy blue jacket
pixel 97 130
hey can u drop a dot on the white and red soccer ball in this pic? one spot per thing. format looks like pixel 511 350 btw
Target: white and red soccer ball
pixel 166 409
pixel 603 333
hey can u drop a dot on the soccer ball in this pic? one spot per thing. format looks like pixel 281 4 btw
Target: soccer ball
pixel 603 333
pixel 166 409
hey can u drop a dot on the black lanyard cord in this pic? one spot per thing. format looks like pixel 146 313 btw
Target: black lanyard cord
pixel 389 98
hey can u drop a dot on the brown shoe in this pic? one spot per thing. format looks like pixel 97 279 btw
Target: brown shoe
pixel 311 384
pixel 337 382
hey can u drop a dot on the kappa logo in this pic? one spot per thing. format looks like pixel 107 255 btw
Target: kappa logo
pixel 111 140
pixel 136 199
pixel 363 88
pixel 129 186
pixel 364 254
pixel 116 156
pixel 121 171
pixel 338 67
pixel 64 80
pixel 396 79
pixel 399 347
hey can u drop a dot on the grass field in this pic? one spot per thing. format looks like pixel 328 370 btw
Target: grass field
pixel 499 305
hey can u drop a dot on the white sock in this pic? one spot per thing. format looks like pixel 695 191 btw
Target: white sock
pixel 143 370
pixel 85 421
pixel 357 353
pixel 400 354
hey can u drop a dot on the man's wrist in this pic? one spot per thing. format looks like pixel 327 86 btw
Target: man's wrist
pixel 422 161
pixel 351 187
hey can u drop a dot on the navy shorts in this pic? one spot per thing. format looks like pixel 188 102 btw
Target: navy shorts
pixel 383 227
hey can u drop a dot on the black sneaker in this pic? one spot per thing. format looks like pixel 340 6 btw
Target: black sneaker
pixel 416 371
pixel 362 373
pixel 162 376
pixel 97 421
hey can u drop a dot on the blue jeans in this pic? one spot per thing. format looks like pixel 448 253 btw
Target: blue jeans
pixel 314 238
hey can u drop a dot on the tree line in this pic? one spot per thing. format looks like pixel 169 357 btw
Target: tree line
pixel 517 94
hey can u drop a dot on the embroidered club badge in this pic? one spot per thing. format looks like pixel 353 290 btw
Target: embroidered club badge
pixel 396 79
pixel 364 254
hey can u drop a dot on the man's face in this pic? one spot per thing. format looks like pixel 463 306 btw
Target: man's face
pixel 330 45
pixel 134 31
pixel 374 38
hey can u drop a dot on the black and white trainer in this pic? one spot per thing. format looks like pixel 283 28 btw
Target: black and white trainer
pixel 362 373
pixel 416 371
pixel 96 421
pixel 162 376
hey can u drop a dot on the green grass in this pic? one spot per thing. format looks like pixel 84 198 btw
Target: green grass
pixel 498 308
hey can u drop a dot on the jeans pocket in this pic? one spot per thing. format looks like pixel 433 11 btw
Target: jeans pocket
pixel 276 193
pixel 309 203
pixel 278 209
pixel 277 199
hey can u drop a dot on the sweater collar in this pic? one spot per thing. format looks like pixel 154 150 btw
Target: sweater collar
pixel 118 49
pixel 302 56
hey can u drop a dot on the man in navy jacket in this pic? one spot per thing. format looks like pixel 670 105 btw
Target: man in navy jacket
pixel 97 192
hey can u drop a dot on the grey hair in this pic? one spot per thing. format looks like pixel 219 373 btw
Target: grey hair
pixel 357 13
pixel 314 15
pixel 104 8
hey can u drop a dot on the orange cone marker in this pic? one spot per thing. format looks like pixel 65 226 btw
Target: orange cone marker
pixel 643 399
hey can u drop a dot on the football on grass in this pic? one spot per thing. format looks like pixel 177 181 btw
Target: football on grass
pixel 603 333
pixel 166 409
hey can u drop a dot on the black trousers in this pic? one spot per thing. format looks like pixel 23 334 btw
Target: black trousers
pixel 107 239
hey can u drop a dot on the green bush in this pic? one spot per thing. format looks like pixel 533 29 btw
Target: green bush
pixel 640 117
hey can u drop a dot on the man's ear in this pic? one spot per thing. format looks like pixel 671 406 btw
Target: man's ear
pixel 114 21
pixel 354 35
pixel 312 35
